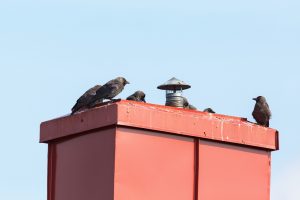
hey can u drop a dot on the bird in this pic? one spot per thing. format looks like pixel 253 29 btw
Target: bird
pixel 108 91
pixel 137 96
pixel 209 110
pixel 187 105
pixel 261 112
pixel 83 101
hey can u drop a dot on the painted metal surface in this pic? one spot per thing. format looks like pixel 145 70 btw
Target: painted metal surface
pixel 82 167
pixel 153 166
pixel 197 124
pixel 166 119
pixel 68 125
pixel 132 150
pixel 233 172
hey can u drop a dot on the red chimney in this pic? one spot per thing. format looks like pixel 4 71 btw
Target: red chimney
pixel 137 151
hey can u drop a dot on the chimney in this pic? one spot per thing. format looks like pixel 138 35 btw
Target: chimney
pixel 173 88
pixel 136 151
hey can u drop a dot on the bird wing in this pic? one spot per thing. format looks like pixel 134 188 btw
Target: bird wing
pixel 85 98
pixel 191 107
pixel 261 113
pixel 132 97
pixel 267 110
pixel 106 90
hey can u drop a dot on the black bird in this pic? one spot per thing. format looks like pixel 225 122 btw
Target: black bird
pixel 83 101
pixel 187 105
pixel 209 110
pixel 108 91
pixel 261 112
pixel 137 96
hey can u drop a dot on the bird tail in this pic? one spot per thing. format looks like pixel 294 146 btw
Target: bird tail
pixel 74 109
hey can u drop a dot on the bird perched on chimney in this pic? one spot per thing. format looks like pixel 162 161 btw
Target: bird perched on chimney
pixel 187 105
pixel 82 102
pixel 108 91
pixel 209 110
pixel 261 112
pixel 137 96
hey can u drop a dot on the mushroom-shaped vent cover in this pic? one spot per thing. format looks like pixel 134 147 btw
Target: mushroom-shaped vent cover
pixel 174 84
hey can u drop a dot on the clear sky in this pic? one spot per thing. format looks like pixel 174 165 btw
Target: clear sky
pixel 229 51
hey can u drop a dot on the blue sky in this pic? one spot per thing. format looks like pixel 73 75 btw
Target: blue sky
pixel 229 51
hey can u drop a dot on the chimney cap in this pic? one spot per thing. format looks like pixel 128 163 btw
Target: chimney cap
pixel 174 84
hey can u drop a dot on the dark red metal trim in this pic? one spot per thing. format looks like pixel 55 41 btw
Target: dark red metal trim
pixel 166 119
pixel 78 123
pixel 51 171
pixel 196 165
pixel 196 124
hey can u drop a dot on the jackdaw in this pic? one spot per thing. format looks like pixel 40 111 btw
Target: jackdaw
pixel 137 96
pixel 84 100
pixel 209 110
pixel 187 105
pixel 261 112
pixel 108 91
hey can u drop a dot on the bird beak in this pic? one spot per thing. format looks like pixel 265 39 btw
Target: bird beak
pixel 255 99
pixel 144 100
pixel 127 82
